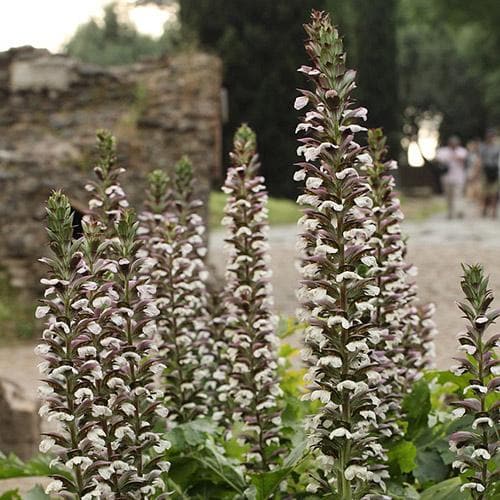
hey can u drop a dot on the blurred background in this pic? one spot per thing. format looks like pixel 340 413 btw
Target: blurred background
pixel 426 69
pixel 178 76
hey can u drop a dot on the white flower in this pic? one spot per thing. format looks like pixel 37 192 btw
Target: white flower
pixel 482 421
pixel 162 446
pixel 313 182
pixel 333 361
pixel 42 349
pixel 347 275
pixel 300 102
pixel 357 471
pixel 54 487
pixel 477 387
pixel 458 412
pixel 350 385
pixel 151 310
pixel 41 311
pixel 94 328
pixel 99 410
pixel 340 432
pixel 84 462
pixel 469 349
pixel 128 408
pixel 299 175
pixel 363 202
pixel 87 351
pixel 323 396
pixel 46 445
pixel 481 453
pixel 472 486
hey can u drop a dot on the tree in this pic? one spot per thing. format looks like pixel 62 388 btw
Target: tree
pixel 114 42
pixel 376 62
pixel 260 43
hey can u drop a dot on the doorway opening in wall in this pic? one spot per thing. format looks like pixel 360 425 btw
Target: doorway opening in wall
pixel 77 222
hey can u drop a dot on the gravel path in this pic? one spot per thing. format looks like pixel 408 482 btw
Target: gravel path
pixel 437 246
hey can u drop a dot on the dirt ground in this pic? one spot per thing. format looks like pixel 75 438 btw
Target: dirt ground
pixel 437 246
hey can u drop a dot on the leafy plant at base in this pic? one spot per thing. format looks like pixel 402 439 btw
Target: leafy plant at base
pixel 477 447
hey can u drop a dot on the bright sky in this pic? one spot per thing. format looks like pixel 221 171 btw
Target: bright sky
pixel 50 23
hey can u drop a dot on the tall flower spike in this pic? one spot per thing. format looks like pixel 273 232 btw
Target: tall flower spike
pixel 338 291
pixel 396 289
pixel 108 198
pixel 250 325
pixel 477 449
pixel 135 403
pixel 65 366
pixel 172 258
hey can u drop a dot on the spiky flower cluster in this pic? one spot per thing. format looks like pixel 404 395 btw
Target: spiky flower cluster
pixel 339 289
pixel 108 198
pixel 394 312
pixel 173 259
pixel 477 448
pixel 100 357
pixel 93 373
pixel 253 388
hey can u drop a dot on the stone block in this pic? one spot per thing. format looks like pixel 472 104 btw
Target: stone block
pixel 19 421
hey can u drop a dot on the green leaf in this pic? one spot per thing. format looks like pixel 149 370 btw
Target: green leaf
pixel 445 490
pixel 404 491
pixel 417 406
pixel 403 454
pixel 430 467
pixel 36 493
pixel 265 484
pixel 219 465
pixel 11 495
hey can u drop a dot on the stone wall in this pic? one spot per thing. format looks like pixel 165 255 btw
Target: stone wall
pixel 50 108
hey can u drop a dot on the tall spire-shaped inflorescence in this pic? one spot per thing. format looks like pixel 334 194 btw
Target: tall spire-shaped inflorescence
pixel 253 383
pixel 338 286
pixel 175 268
pixel 477 448
pixel 392 278
pixel 108 198
pixel 135 404
pixel 69 377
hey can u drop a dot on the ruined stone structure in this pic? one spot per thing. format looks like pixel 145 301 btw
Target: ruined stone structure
pixel 19 421
pixel 50 108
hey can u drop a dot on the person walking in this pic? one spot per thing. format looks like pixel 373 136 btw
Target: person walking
pixel 452 157
pixel 490 164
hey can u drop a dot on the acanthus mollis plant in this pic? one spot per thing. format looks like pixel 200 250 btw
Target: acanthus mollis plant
pixel 338 291
pixel 394 313
pixel 172 260
pixel 252 392
pixel 108 198
pixel 426 332
pixel 135 405
pixel 67 373
pixel 99 366
pixel 477 448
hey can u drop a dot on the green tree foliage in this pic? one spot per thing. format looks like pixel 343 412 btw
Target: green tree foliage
pixel 435 71
pixel 376 62
pixel 260 43
pixel 113 41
